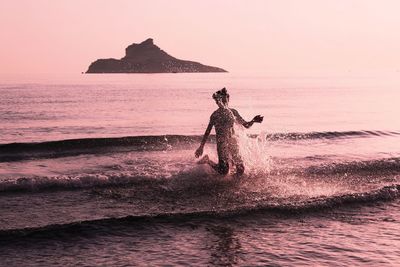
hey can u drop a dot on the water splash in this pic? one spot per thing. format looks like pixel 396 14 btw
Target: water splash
pixel 254 152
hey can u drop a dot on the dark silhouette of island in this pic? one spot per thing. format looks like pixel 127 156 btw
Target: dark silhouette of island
pixel 146 57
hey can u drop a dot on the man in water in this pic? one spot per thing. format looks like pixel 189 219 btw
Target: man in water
pixel 224 119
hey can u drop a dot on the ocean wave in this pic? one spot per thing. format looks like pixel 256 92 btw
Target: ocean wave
pixel 329 135
pixel 371 167
pixel 71 147
pixel 65 182
pixel 316 204
pixel 115 176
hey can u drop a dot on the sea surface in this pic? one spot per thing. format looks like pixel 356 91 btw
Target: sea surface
pixel 99 170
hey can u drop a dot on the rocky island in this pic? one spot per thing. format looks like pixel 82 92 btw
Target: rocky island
pixel 146 57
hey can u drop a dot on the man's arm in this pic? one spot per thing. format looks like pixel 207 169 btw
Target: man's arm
pixel 246 124
pixel 199 151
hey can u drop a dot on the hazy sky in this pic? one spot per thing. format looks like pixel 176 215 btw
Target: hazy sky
pixel 54 36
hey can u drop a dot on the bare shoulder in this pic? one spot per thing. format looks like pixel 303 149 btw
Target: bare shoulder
pixel 237 116
pixel 214 115
pixel 234 111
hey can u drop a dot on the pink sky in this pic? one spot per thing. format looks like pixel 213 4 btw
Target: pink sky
pixel 273 36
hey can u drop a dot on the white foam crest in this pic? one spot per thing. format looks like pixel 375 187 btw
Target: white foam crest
pixel 69 181
pixel 293 185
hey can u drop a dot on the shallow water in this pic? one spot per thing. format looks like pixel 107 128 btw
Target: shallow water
pixel 99 170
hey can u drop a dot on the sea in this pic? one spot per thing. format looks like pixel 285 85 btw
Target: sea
pixel 99 170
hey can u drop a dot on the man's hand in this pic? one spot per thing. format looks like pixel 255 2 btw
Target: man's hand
pixel 199 152
pixel 258 118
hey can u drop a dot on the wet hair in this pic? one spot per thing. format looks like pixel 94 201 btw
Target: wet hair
pixel 220 94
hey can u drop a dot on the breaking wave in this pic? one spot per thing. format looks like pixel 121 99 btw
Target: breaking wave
pixel 385 193
pixel 71 147
pixel 380 168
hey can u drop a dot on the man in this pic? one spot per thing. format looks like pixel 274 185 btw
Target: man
pixel 223 119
